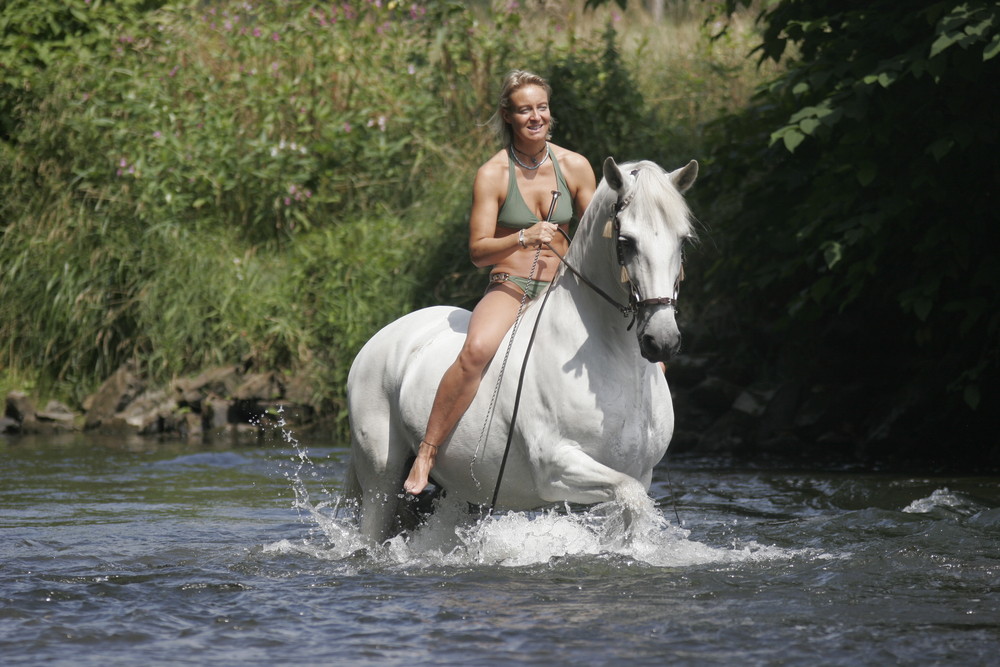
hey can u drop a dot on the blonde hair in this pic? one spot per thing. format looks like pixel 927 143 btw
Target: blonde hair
pixel 515 80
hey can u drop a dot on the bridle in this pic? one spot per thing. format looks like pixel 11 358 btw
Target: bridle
pixel 635 304
pixel 635 300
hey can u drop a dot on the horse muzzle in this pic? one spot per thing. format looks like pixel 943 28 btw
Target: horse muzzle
pixel 659 337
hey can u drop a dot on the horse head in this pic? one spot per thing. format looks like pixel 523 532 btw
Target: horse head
pixel 649 226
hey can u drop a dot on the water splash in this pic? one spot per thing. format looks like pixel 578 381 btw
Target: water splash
pixel 630 528
pixel 944 500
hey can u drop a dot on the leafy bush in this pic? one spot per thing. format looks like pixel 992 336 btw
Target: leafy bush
pixel 193 183
pixel 860 186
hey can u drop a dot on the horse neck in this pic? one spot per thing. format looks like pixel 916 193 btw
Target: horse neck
pixel 593 256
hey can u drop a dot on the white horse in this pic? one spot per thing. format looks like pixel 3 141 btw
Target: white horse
pixel 593 412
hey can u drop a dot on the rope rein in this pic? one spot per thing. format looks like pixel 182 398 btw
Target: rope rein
pixel 503 367
pixel 490 411
pixel 636 302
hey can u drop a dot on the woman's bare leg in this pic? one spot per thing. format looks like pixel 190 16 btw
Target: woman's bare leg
pixel 493 316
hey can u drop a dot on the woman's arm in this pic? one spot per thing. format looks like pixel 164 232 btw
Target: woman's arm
pixel 485 248
pixel 580 179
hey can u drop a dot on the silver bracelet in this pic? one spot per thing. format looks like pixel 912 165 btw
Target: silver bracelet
pixel 520 238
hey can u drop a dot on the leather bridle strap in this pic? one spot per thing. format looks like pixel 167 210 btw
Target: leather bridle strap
pixel 635 298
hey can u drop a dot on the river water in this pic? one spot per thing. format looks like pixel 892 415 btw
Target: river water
pixel 130 552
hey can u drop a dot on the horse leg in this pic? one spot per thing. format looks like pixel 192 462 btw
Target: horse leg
pixel 570 474
pixel 378 459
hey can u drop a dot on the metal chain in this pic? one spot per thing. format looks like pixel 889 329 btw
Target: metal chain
pixel 503 367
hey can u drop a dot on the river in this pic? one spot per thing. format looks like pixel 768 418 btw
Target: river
pixel 132 552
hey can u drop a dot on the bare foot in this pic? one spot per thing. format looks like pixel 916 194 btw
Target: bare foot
pixel 416 481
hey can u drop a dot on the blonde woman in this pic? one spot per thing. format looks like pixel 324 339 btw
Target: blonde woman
pixel 512 194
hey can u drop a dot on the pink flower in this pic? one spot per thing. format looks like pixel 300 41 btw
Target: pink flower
pixel 347 126
pixel 275 36
pixel 256 32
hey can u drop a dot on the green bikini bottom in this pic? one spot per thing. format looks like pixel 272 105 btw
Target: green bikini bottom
pixel 530 287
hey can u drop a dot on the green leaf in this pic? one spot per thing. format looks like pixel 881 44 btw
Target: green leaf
pixel 886 79
pixel 809 125
pixel 833 252
pixel 940 148
pixel 867 171
pixel 943 42
pixel 992 49
pixel 922 308
pixel 790 136
pixel 972 396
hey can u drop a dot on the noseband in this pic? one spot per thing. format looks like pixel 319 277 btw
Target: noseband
pixel 635 300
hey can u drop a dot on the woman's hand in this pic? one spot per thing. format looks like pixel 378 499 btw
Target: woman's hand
pixel 540 233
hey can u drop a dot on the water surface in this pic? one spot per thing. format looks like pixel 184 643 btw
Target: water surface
pixel 120 552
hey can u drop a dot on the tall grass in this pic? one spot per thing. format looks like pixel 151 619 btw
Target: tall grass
pixel 270 183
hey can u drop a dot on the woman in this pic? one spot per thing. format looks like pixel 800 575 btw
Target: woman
pixel 511 197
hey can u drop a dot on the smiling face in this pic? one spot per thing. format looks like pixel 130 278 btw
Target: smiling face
pixel 529 116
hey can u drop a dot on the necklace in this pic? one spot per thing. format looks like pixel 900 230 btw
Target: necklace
pixel 534 159
pixel 513 154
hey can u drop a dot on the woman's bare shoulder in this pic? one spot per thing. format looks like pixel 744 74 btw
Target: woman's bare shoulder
pixel 572 163
pixel 493 172
pixel 497 162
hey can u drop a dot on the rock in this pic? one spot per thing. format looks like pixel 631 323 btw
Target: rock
pixel 714 393
pixel 222 381
pixel 21 416
pixel 729 434
pixel 57 412
pixel 686 370
pixel 215 412
pixel 148 413
pixel 220 400
pixel 260 387
pixel 19 407
pixel 753 403
pixel 112 397
pixel 9 426
pixel 193 426
pixel 299 389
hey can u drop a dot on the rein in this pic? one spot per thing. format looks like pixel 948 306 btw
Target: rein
pixel 524 363
pixel 635 301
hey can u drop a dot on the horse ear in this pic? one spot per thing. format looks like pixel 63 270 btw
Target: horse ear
pixel 612 174
pixel 684 177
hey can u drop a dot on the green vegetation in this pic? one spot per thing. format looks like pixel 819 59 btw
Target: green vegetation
pixel 855 195
pixel 190 183
pixel 186 183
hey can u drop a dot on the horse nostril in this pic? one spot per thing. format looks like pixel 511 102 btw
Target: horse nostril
pixel 648 345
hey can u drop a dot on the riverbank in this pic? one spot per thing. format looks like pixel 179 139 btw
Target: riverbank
pixel 722 410
pixel 219 402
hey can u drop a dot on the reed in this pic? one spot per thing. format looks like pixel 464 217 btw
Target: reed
pixel 271 183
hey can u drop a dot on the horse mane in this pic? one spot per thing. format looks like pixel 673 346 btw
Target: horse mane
pixel 655 197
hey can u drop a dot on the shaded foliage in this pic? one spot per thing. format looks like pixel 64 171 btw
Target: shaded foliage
pixel 856 197
pixel 186 183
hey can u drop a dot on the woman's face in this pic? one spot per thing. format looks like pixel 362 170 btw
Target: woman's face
pixel 529 115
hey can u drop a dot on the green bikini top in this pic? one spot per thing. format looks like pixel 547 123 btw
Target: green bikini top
pixel 515 214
